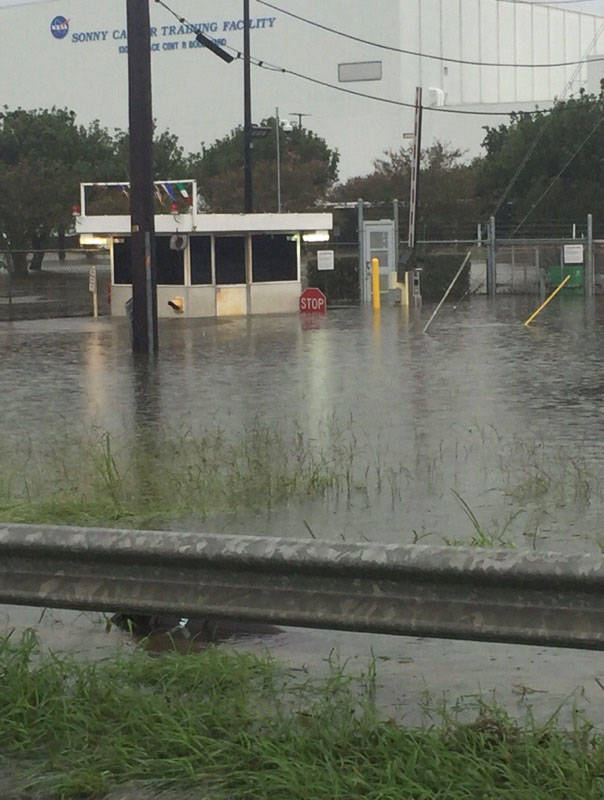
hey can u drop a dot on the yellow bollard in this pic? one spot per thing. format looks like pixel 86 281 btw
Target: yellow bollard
pixel 375 284
pixel 551 297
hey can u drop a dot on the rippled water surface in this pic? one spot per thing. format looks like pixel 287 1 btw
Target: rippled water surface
pixel 481 431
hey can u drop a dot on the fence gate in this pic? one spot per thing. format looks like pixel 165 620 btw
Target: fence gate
pixel 378 236
pixel 530 266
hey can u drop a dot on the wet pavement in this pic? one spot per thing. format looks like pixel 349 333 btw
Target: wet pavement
pixel 59 289
pixel 482 430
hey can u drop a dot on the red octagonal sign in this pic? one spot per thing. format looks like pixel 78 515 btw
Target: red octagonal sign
pixel 313 301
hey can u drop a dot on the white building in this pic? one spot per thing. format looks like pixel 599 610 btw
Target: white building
pixel 72 53
pixel 207 265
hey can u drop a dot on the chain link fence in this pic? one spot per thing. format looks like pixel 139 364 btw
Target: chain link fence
pixel 523 266
pixel 60 288
pixel 532 266
pixel 340 285
pixel 599 266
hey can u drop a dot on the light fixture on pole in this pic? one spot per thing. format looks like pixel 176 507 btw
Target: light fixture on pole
pixel 287 128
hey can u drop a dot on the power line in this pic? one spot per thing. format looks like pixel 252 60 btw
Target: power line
pixel 387 100
pixel 557 177
pixel 419 54
pixel 541 132
pixel 263 64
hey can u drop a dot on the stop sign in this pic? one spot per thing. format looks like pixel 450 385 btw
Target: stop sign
pixel 313 301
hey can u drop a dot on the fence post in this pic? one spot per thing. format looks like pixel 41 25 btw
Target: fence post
pixel 589 259
pixel 360 223
pixel 491 263
pixel 395 215
pixel 9 270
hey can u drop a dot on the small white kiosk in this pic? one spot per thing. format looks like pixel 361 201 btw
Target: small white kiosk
pixel 207 264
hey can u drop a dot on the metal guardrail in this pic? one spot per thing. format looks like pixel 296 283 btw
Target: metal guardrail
pixel 444 592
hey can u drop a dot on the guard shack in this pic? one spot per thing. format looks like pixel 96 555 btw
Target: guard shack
pixel 208 265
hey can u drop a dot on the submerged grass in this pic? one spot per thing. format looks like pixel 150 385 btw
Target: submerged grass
pixel 234 726
pixel 480 489
pixel 160 477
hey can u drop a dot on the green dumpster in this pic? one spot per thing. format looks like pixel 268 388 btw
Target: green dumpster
pixel 556 275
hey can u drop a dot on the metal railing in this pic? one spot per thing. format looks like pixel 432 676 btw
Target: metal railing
pixel 443 592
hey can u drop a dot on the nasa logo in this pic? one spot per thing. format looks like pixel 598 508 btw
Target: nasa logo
pixel 59 27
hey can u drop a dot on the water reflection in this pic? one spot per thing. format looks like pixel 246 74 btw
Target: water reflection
pixel 509 418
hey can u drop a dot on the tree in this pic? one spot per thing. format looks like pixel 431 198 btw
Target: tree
pixel 43 154
pixel 309 168
pixel 562 179
pixel 447 204
pixel 169 159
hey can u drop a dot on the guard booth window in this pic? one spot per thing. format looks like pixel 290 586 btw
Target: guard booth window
pixel 170 264
pixel 201 260
pixel 230 259
pixel 274 258
pixel 122 261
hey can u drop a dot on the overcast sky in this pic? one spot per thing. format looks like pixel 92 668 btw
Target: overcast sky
pixel 595 6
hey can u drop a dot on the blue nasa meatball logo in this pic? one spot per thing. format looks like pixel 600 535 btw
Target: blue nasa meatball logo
pixel 59 27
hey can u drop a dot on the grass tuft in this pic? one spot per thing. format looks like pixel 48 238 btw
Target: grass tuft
pixel 227 725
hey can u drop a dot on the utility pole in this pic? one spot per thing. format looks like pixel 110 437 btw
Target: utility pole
pixel 247 113
pixel 299 114
pixel 277 135
pixel 144 282
pixel 415 166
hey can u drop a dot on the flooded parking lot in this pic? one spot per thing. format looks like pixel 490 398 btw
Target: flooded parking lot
pixel 481 429
pixel 482 432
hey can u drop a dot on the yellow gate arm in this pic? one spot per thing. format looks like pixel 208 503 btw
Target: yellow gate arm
pixel 549 299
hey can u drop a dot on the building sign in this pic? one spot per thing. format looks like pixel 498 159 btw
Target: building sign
pixel 573 253
pixel 165 36
pixel 360 71
pixel 325 259
pixel 59 27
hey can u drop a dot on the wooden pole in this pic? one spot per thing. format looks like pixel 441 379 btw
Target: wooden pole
pixel 247 113
pixel 144 284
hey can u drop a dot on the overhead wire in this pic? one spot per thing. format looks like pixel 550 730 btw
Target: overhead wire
pixel 541 133
pixel 419 54
pixel 275 68
pixel 559 175
pixel 266 65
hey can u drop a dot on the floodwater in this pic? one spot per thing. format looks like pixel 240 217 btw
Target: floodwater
pixel 481 431
pixel 480 428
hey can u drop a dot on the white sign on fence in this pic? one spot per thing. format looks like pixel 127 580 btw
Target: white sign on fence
pixel 92 279
pixel 573 253
pixel 325 259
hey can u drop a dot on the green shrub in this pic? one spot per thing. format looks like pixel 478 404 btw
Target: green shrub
pixel 438 270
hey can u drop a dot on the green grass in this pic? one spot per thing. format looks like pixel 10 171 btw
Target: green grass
pixel 91 479
pixel 236 726
pixel 481 489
